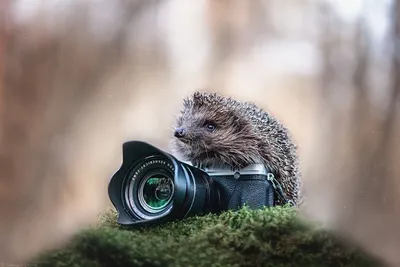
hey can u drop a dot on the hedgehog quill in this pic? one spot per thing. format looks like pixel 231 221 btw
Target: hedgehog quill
pixel 214 129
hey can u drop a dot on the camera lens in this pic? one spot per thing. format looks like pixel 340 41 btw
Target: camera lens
pixel 149 192
pixel 155 192
pixel 152 186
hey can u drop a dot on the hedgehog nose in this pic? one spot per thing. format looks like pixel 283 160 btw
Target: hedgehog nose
pixel 179 132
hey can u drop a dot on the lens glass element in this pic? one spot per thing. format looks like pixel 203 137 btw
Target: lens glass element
pixel 155 192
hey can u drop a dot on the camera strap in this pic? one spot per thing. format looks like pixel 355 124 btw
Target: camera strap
pixel 278 189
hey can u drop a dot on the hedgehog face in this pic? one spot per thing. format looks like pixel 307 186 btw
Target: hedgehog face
pixel 210 131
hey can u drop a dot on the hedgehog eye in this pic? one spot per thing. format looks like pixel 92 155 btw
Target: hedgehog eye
pixel 210 126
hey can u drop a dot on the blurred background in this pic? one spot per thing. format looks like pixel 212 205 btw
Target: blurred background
pixel 78 78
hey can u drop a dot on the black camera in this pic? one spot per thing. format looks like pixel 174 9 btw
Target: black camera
pixel 153 187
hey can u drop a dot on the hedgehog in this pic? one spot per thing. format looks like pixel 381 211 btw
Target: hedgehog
pixel 213 129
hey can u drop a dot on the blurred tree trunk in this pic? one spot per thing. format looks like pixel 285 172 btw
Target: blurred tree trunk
pixel 359 162
pixel 61 105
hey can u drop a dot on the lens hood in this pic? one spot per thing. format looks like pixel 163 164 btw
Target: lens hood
pixel 138 155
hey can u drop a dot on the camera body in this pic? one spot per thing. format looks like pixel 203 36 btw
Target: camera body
pixel 248 186
pixel 153 187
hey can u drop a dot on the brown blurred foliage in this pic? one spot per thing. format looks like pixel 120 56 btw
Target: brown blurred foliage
pixel 78 78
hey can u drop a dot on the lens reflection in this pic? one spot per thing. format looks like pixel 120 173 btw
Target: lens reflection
pixel 157 192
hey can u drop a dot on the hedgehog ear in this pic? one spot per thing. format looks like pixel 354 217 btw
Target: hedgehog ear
pixel 234 118
pixel 238 121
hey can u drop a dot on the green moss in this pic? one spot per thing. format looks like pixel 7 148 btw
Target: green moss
pixel 269 237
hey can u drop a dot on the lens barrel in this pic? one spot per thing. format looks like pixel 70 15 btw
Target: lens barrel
pixel 152 186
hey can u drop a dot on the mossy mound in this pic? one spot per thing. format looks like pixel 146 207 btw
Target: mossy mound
pixel 269 237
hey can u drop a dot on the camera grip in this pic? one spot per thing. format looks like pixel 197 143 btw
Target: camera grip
pixel 255 192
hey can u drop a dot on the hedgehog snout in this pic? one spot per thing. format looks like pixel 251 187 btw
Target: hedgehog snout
pixel 180 132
